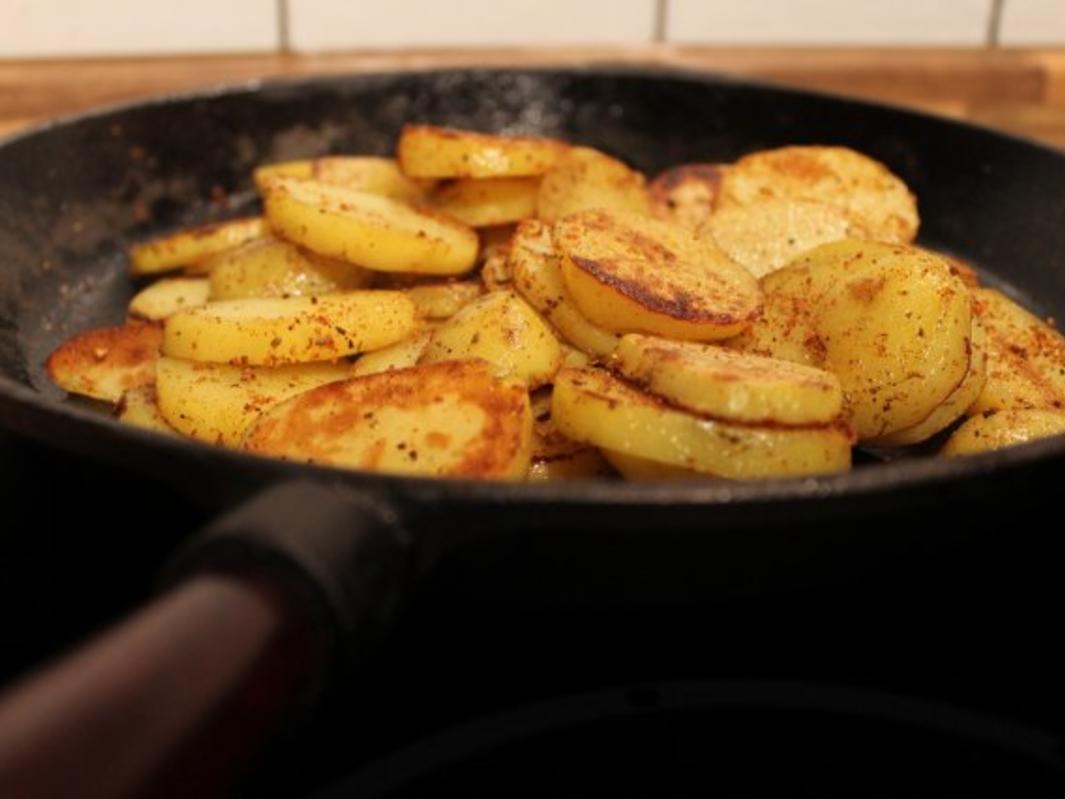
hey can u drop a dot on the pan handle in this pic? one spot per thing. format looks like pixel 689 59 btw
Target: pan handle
pixel 172 701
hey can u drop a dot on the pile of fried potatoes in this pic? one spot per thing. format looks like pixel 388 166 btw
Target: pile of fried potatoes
pixel 517 307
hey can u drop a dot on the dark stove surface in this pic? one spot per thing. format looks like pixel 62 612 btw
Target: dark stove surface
pixel 975 631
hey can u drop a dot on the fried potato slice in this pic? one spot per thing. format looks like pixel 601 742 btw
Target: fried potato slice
pixel 503 330
pixel 271 332
pixel 301 168
pixel 686 194
pixel 272 267
pixel 370 174
pixel 443 300
pixel 584 464
pixel 1025 357
pixel 140 408
pixel 368 230
pixel 591 405
pixel 584 179
pixel 167 296
pixel 486 202
pixel 216 402
pixel 401 355
pixel 630 273
pixel 450 419
pixel 766 236
pixel 537 276
pixel 784 328
pixel 1000 429
pixel 637 469
pixel 192 245
pixel 955 405
pixel 105 362
pixel 858 185
pixel 425 151
pixel 728 385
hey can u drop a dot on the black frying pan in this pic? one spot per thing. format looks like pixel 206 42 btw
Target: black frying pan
pixel 321 558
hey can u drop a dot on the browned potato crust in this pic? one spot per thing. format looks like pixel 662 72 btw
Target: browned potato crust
pixel 106 362
pixel 686 194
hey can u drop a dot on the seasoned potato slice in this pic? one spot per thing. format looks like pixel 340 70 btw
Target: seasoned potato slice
pixel 271 332
pixel 784 326
pixel 164 297
pixel 729 385
pixel 585 178
pixel 537 276
pixel 1025 357
pixel 592 406
pixel 443 300
pixel 451 419
pixel 401 355
pixel 485 202
pixel 767 236
pixel 633 467
pixel 106 362
pixel 686 194
pixel 633 274
pixel 369 230
pixel 216 402
pixel 192 245
pixel 863 188
pixel 140 408
pixel 503 330
pixel 271 267
pixel 372 175
pixel 262 175
pixel 425 151
pixel 999 429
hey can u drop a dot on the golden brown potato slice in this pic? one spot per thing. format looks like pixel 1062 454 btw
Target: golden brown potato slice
pixel 367 229
pixel 271 332
pixel 106 362
pixel 584 179
pixel 784 326
pixel 584 464
pixel 1025 357
pixel 402 355
pixel 216 402
pixel 443 300
pixel 537 276
pixel 555 457
pixel 425 151
pixel 450 419
pixel 271 267
pixel 633 274
pixel 592 406
pixel 262 175
pixel 637 469
pixel 728 385
pixel 686 194
pixel 192 245
pixel 486 202
pixel 140 408
pixel 169 295
pixel 998 429
pixel 503 330
pixel 863 188
pixel 372 175
pixel 767 236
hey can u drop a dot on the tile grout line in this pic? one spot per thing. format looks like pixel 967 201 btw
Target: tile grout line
pixel 283 43
pixel 658 34
pixel 994 23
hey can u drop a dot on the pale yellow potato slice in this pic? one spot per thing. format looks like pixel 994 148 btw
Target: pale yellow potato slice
pixel 300 168
pixel 192 245
pixel 167 296
pixel 573 357
pixel 106 362
pixel 863 188
pixel 450 419
pixel 443 300
pixel 1025 360
pixel 686 194
pixel 1000 429
pixel 503 330
pixel 584 464
pixel 425 151
pixel 371 174
pixel 139 407
pixel 401 355
pixel 955 405
pixel 630 273
pixel 537 275
pixel 584 179
pixel 637 469
pixel 271 332
pixel 216 402
pixel 486 202
pixel 272 267
pixel 767 236
pixel 367 229
pixel 592 406
pixel 729 385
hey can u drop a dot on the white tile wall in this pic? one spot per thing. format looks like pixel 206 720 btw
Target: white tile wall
pixel 334 24
pixel 97 27
pixel 886 22
pixel 1033 22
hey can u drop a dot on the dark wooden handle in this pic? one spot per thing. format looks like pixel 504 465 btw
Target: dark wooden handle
pixel 162 704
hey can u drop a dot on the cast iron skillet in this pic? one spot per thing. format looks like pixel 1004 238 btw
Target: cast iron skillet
pixel 322 557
